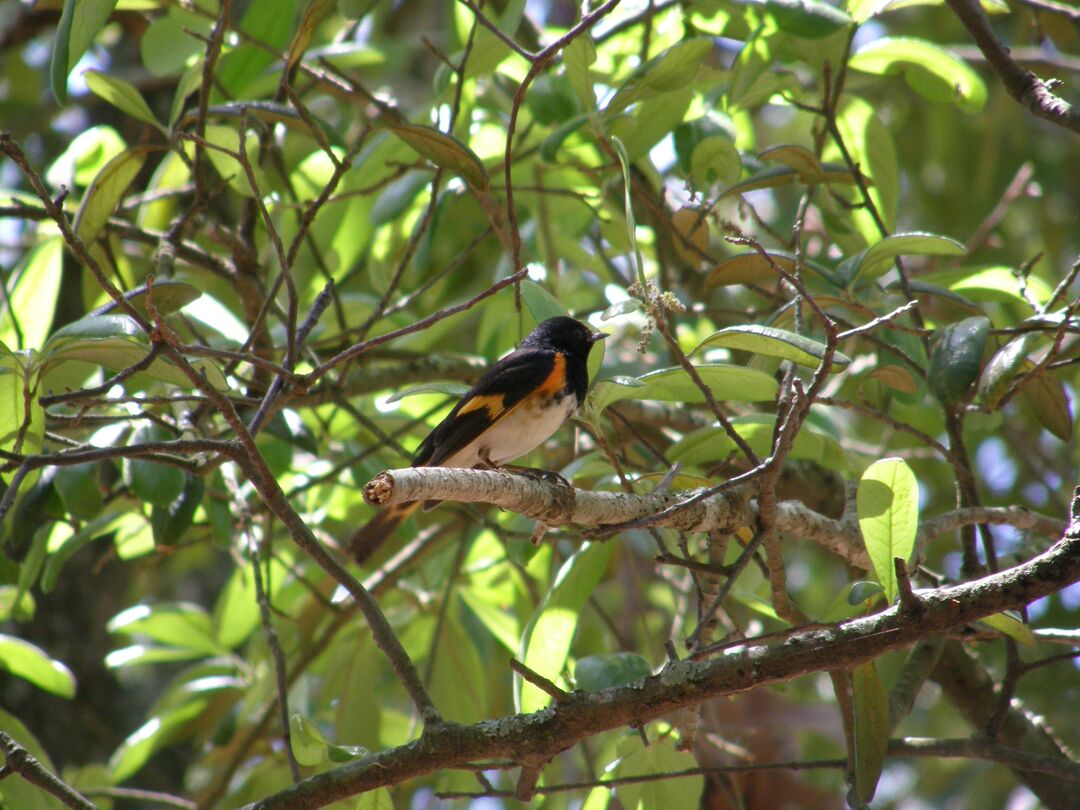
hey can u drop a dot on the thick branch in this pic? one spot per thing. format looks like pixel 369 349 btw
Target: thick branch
pixel 1022 85
pixel 686 683
pixel 555 505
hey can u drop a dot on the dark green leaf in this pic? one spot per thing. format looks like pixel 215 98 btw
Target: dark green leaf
pixel 595 672
pixel 152 481
pixel 871 705
pixel 955 359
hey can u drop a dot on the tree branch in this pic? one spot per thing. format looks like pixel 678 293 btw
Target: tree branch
pixel 1022 85
pixel 685 683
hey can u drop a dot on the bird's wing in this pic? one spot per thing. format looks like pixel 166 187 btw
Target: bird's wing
pixel 502 387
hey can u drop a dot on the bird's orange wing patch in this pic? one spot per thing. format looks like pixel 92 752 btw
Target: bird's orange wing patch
pixel 492 403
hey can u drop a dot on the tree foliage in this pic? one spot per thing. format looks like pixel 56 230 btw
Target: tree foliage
pixel 820 537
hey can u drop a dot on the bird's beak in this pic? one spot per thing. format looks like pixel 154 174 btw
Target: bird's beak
pixel 598 336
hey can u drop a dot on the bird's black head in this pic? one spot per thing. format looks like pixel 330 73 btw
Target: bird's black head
pixel 564 334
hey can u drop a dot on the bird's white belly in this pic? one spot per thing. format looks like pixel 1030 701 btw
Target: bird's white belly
pixel 525 428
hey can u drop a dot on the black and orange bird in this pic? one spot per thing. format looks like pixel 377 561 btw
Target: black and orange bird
pixel 517 404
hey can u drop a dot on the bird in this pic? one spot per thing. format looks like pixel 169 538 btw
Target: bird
pixel 516 405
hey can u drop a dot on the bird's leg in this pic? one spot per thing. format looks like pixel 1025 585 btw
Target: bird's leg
pixel 531 472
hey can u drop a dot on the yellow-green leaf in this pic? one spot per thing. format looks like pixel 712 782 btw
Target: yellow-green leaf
pixel 444 151
pixel 122 94
pixel 773 342
pixel 107 190
pixel 33 664
pixel 726 382
pixel 1012 626
pixel 929 69
pixel 887 503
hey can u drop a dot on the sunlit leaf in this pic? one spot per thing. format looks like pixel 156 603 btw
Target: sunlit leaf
pixel 444 151
pixel 107 190
pixel 675 385
pixel 877 259
pixel 545 643
pixel 773 342
pixel 80 22
pixel 1011 625
pixel 23 660
pixel 887 503
pixel 122 94
pixel 807 18
pixel 931 70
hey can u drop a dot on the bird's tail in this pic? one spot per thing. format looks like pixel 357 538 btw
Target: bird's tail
pixel 367 539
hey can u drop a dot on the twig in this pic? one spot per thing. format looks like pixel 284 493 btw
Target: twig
pixel 539 681
pixel 17 760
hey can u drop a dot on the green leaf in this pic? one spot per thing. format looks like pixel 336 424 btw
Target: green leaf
pixel 171 521
pixel 955 359
pixel 1047 396
pixel 872 148
pixel 726 382
pixel 33 300
pixel 1003 367
pixel 169 297
pixel 773 342
pixel 621 308
pixel 123 95
pixel 997 283
pixel 19 794
pixel 577 56
pixel 80 21
pixel 877 260
pixel 152 481
pixel 23 660
pixel 672 70
pixel 444 151
pixel 863 591
pixel 107 190
pixel 887 503
pixel 709 445
pixel 658 757
pixel 164 728
pixel 316 12
pixel 116 342
pixel 689 134
pixel 79 490
pixel 714 160
pixel 545 644
pixel 540 303
pixel 811 19
pixel 796 157
pixel 780 176
pixel 182 625
pixel 871 705
pixel 452 389
pixel 22 419
pixel 895 377
pixel 1011 625
pixel 930 70
pixel 308 744
pixel 595 672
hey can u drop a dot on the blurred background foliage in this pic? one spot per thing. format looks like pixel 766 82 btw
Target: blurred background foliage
pixel 376 144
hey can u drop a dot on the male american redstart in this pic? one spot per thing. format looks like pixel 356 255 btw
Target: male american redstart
pixel 520 401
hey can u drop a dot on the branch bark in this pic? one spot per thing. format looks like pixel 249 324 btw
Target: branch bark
pixel 524 738
pixel 1021 84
